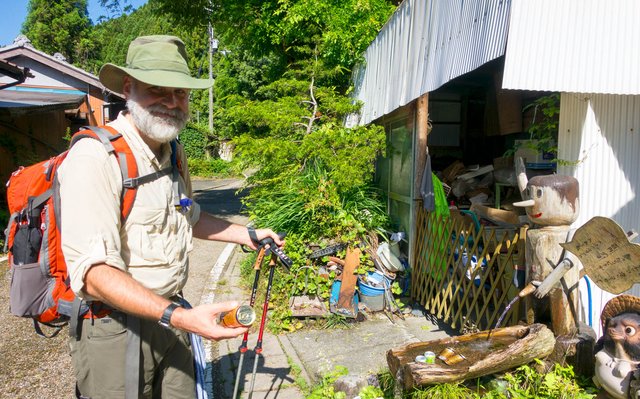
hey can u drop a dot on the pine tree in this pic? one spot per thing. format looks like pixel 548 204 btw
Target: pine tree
pixel 60 26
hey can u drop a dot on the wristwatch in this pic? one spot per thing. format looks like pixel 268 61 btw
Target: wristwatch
pixel 166 315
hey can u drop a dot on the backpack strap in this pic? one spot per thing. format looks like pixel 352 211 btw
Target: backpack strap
pixel 177 194
pixel 115 144
pixel 12 220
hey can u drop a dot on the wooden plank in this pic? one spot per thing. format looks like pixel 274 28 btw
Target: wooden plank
pixel 422 131
pixel 349 279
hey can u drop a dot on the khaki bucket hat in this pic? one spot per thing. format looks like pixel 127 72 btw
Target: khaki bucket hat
pixel 158 60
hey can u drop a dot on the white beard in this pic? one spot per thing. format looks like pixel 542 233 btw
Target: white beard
pixel 158 128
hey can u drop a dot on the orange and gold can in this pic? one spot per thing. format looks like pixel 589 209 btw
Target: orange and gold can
pixel 242 316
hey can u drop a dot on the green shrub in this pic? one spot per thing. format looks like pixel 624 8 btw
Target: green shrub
pixel 552 381
pixel 310 205
pixel 285 284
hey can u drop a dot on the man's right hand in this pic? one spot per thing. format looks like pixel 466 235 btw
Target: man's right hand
pixel 203 320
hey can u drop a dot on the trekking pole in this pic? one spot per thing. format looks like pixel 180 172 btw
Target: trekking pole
pixel 243 347
pixel 263 319
pixel 276 253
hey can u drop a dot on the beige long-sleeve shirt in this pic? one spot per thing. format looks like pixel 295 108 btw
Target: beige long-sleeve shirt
pixel 154 242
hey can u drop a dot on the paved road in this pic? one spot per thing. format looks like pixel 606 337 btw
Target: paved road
pixel 219 198
pixel 34 367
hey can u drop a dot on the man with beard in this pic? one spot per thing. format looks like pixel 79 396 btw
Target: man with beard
pixel 135 269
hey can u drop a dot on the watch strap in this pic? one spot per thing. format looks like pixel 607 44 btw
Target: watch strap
pixel 166 315
pixel 253 236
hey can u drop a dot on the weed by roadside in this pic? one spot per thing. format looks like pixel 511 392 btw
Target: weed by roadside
pixel 212 168
pixel 527 381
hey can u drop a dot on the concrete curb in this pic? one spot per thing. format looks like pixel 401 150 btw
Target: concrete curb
pixel 291 352
pixel 209 294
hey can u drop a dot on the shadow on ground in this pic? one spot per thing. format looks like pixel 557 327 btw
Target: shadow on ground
pixel 225 202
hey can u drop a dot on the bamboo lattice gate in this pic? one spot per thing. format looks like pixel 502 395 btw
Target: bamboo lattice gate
pixel 463 272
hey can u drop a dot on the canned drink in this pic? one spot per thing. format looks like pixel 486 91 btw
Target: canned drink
pixel 445 354
pixel 430 357
pixel 242 316
pixel 455 359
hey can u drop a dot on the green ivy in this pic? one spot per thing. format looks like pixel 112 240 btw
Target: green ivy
pixel 370 392
pixel 543 130
pixel 195 140
pixel 286 283
pixel 324 390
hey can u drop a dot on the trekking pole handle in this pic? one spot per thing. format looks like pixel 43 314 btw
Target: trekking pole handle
pixel 286 261
pixel 269 240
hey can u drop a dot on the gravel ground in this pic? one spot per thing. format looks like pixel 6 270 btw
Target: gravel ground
pixel 30 366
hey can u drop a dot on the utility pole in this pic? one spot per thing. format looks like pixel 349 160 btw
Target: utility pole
pixel 213 47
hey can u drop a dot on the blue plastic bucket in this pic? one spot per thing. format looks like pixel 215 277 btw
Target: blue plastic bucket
pixel 373 284
pixel 335 294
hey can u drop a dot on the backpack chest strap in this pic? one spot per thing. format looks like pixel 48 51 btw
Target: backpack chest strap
pixel 133 182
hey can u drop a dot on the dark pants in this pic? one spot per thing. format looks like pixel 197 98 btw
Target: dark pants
pixel 166 362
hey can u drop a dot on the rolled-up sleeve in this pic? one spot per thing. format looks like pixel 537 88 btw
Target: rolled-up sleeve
pixel 90 184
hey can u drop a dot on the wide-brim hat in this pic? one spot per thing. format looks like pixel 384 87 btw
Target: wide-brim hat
pixel 158 60
pixel 618 305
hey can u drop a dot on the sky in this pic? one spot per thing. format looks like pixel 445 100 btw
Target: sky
pixel 14 13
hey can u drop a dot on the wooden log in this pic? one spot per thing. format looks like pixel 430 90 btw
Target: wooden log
pixel 543 254
pixel 534 341
pixel 349 280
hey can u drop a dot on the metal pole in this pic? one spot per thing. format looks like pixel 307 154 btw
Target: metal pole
pixel 263 319
pixel 211 50
pixel 252 301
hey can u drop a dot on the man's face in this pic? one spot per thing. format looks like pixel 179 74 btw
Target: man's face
pixel 158 112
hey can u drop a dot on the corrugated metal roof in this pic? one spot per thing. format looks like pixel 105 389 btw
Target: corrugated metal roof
pixel 19 102
pixel 425 44
pixel 578 46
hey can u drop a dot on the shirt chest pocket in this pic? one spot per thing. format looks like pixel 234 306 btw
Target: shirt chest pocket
pixel 147 237
pixel 156 237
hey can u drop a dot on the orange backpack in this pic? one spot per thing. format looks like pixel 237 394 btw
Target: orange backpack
pixel 40 287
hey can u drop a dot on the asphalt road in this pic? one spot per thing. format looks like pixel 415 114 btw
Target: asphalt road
pixel 35 367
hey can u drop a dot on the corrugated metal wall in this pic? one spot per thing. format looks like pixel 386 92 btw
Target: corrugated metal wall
pixel 425 44
pixel 602 134
pixel 574 46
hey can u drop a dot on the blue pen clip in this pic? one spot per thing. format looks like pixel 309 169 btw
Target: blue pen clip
pixel 185 204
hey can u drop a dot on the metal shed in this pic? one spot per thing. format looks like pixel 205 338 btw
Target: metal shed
pixel 586 50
